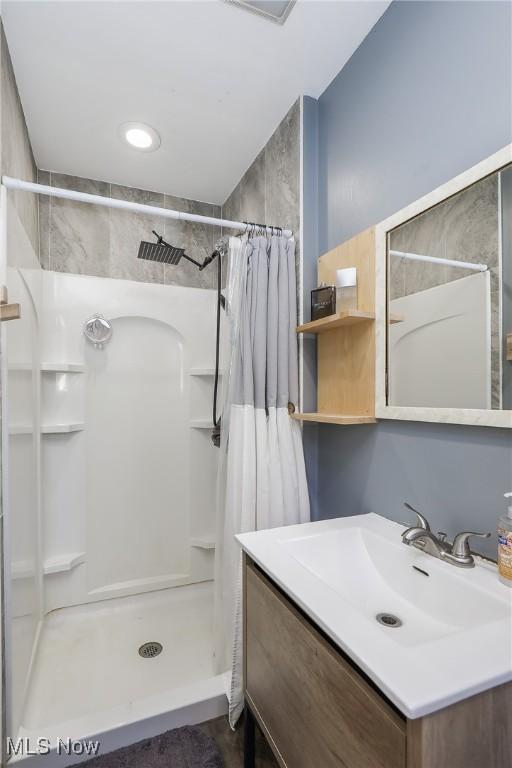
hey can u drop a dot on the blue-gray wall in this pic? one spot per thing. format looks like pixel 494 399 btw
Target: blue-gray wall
pixel 426 96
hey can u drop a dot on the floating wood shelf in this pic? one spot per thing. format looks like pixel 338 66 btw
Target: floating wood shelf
pixel 330 322
pixel 333 418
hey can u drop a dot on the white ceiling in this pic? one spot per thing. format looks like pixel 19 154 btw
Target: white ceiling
pixel 213 79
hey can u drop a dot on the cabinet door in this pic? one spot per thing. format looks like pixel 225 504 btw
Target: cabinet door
pixel 316 709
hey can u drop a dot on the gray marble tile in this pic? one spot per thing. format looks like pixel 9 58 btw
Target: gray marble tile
pixel 44 177
pixel 127 229
pixel 197 239
pixel 17 156
pixel 269 191
pixel 231 208
pixel 282 173
pixel 79 232
pixel 252 191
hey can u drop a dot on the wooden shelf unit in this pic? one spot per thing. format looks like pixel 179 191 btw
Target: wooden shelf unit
pixel 346 340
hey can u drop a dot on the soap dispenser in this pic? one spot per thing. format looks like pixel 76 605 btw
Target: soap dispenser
pixel 505 544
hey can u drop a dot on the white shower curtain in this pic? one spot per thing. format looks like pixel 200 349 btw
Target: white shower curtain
pixel 262 478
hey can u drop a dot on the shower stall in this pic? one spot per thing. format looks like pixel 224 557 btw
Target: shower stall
pixel 109 478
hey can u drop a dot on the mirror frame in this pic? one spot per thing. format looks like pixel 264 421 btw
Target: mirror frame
pixel 476 416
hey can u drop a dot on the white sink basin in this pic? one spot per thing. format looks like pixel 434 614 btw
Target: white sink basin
pixel 377 575
pixel 455 637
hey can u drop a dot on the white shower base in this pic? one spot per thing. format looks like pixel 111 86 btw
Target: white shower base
pixel 88 680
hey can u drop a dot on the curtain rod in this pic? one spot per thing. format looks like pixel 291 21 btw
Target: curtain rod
pixel 110 202
pixel 436 260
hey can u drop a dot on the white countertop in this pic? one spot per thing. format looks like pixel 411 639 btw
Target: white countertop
pixel 456 638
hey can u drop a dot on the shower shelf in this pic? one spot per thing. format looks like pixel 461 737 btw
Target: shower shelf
pixel 63 563
pixel 62 428
pixel 203 372
pixel 20 429
pixel 203 542
pixel 47 429
pixel 49 367
pixel 201 424
pixel 23 569
pixel 62 367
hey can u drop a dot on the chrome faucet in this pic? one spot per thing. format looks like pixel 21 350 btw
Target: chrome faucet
pixel 420 536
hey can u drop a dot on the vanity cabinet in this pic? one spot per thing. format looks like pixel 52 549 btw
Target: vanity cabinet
pixel 317 710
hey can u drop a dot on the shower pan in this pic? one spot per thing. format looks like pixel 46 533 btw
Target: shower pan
pixel 110 542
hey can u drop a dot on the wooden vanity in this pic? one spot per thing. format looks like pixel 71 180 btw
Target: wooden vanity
pixel 318 710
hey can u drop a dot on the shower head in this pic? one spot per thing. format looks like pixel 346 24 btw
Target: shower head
pixel 163 252
pixel 160 251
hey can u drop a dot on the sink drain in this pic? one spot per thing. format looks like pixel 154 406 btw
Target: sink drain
pixel 150 650
pixel 388 620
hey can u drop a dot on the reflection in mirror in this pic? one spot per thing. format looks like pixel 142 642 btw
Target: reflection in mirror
pixel 450 301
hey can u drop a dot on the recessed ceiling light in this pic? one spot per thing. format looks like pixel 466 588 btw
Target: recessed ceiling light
pixel 140 136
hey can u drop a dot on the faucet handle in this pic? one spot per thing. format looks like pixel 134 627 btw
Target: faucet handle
pixel 460 546
pixel 421 521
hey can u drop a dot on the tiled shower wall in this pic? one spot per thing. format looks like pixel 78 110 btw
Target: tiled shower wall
pixel 16 158
pixel 269 191
pixel 92 240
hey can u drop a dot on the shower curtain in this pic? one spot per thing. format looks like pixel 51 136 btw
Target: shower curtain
pixel 262 478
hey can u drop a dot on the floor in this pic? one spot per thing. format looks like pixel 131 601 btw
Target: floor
pixel 88 658
pixel 231 744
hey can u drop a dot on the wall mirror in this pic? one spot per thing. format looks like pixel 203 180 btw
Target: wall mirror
pixel 445 320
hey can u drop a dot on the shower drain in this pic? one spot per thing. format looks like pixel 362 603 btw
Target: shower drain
pixel 388 620
pixel 150 650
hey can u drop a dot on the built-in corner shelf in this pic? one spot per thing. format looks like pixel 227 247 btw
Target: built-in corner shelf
pixel 202 371
pixel 49 367
pixel 203 542
pixel 47 429
pixel 350 317
pixel 334 418
pixel 63 563
pixel 24 569
pixel 62 367
pixel 58 429
pixel 201 424
pixel 20 429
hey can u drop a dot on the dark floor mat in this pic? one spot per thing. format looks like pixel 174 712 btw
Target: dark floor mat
pixel 186 747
